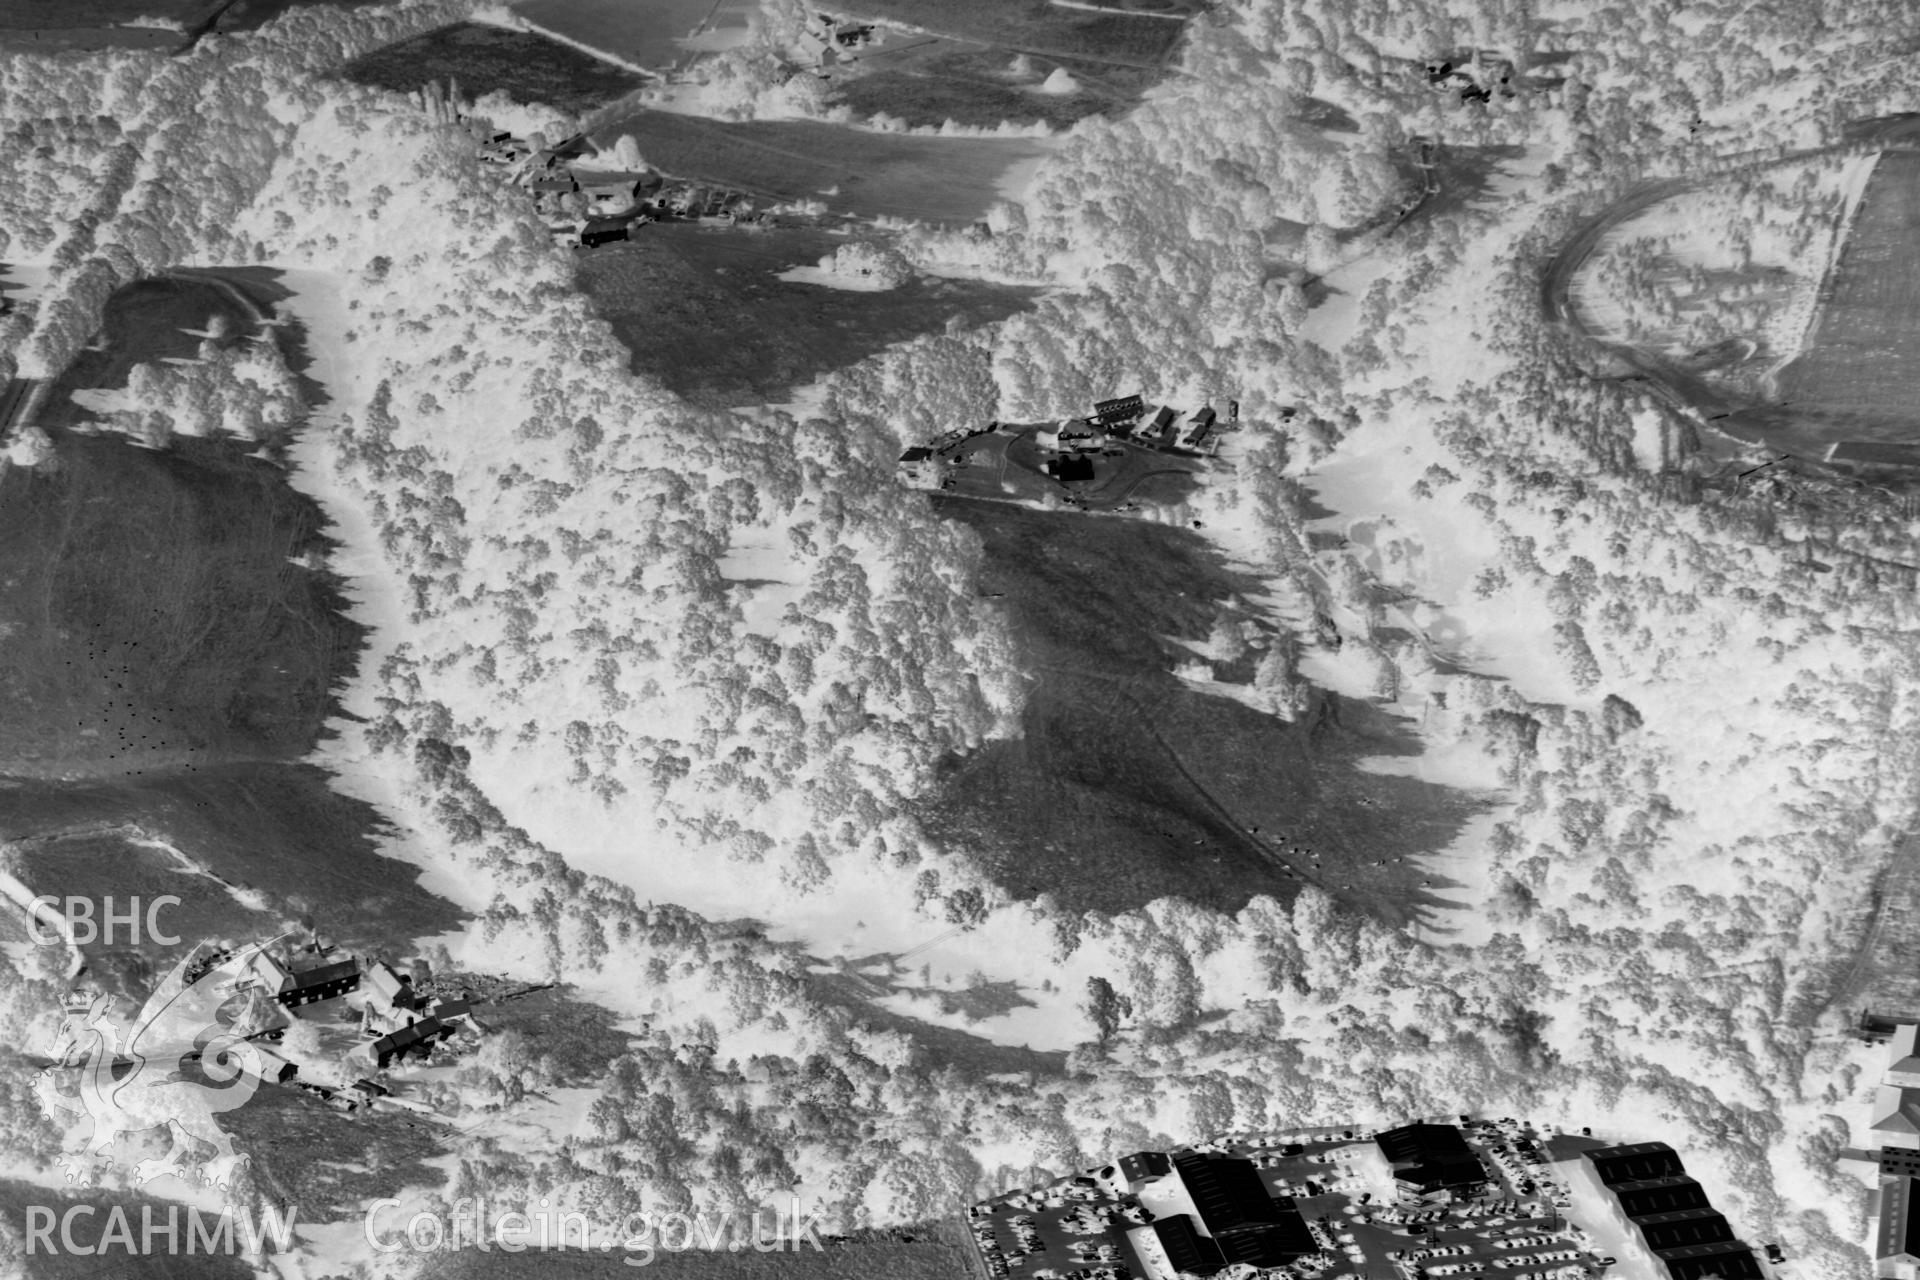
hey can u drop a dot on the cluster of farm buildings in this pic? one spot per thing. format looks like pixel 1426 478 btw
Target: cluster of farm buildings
pixel 401 1015
pixel 587 204
pixel 1070 447
pixel 1422 1200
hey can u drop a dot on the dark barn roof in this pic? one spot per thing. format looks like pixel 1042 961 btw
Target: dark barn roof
pixel 1635 1162
pixel 1684 1227
pixel 1144 1164
pixel 1431 1157
pixel 1226 1191
pixel 1726 1261
pixel 1899 1227
pixel 1188 1250
pixel 1659 1195
pixel 326 975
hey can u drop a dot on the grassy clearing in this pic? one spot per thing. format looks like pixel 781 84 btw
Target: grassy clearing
pixel 156 612
pixel 701 309
pixel 1860 353
pixel 1136 38
pixel 302 1152
pixel 927 82
pixel 869 174
pixel 528 68
pixel 1127 784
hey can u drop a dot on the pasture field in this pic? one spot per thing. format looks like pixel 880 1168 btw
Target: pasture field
pixel 528 68
pixel 1128 783
pixel 1860 355
pixel 927 81
pixel 856 172
pixel 702 309
pixel 649 33
pixel 1144 36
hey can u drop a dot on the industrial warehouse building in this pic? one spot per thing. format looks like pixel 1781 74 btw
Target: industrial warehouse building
pixel 1667 1214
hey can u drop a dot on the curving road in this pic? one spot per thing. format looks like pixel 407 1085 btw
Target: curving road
pixel 1686 391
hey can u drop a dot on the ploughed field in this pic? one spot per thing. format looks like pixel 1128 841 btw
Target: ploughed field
pixel 1860 361
pixel 852 171
pixel 703 311
pixel 1128 783
pixel 482 59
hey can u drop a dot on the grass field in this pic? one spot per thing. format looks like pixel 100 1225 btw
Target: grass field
pixel 1860 357
pixel 1126 784
pixel 157 610
pixel 701 309
pixel 868 174
pixel 651 34
pixel 928 81
pixel 528 68
pixel 1138 38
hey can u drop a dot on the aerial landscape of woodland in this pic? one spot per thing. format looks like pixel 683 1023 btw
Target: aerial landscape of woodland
pixel 951 639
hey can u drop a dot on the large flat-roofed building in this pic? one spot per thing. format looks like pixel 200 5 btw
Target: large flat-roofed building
pixel 1683 1228
pixel 1667 1215
pixel 1897 1234
pixel 1730 1261
pixel 1658 1195
pixel 1431 1160
pixel 1635 1162
pixel 1214 1212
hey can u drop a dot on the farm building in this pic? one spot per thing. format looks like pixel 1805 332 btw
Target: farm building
pixel 389 988
pixel 293 987
pixel 417 1038
pixel 1129 1173
pixel 1070 433
pixel 1196 427
pixel 599 231
pixel 1069 467
pixel 1155 426
pixel 1118 414
pixel 917 468
pixel 616 192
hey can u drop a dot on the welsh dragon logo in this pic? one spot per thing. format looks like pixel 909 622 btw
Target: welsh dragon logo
pixel 176 1065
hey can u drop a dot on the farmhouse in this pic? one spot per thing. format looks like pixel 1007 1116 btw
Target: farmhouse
pixel 1070 433
pixel 293 987
pixel 1155 426
pixel 1195 428
pixel 390 989
pixel 918 469
pixel 417 1038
